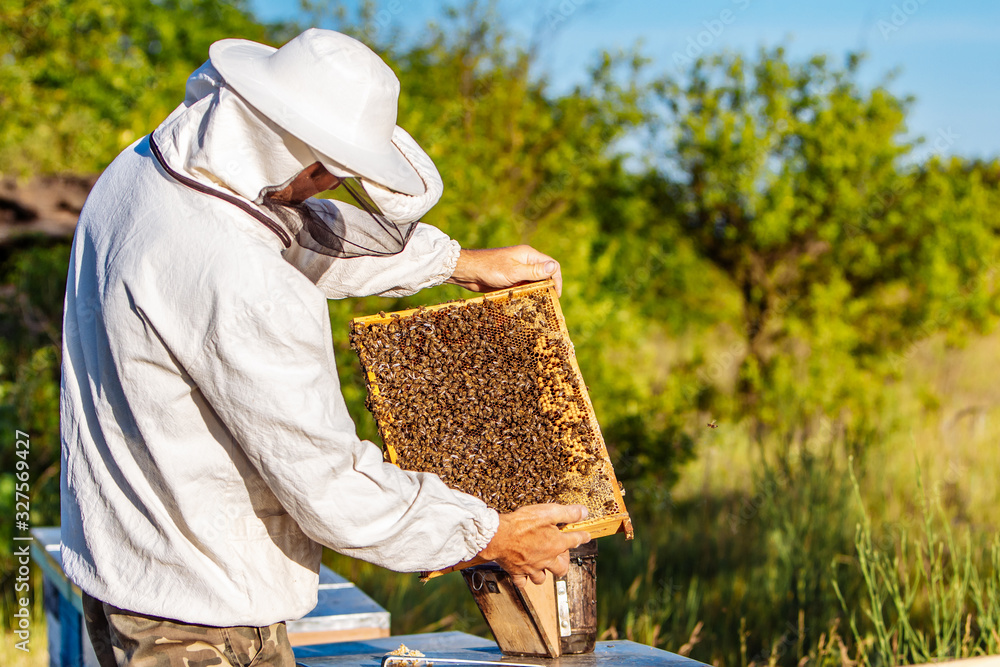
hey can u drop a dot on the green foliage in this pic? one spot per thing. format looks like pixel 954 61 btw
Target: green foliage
pixel 32 283
pixel 928 595
pixel 793 181
pixel 82 79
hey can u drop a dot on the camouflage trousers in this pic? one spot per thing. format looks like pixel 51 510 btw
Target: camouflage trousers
pixel 125 639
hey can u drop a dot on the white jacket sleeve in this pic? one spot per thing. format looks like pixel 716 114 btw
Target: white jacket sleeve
pixel 428 259
pixel 268 371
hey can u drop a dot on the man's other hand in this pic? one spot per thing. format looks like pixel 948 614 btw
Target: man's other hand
pixel 529 542
pixel 499 268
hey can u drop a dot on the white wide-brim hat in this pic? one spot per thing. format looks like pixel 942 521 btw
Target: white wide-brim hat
pixel 330 91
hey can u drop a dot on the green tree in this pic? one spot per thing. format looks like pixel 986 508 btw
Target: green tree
pixel 801 187
pixel 82 79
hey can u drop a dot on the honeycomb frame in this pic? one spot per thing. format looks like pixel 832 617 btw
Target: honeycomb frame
pixel 597 476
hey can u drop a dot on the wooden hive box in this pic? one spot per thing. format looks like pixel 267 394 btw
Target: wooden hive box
pixel 487 393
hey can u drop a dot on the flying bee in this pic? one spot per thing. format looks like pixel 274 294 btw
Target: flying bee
pixel 713 424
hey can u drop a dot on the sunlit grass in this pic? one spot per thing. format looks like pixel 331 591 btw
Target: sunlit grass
pixel 38 653
pixel 932 593
pixel 38 656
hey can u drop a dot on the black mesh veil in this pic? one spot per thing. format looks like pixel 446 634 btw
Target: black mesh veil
pixel 331 228
pixel 324 226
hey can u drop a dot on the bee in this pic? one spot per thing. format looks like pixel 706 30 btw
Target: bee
pixel 713 423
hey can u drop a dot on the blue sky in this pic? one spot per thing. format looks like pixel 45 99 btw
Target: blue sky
pixel 947 53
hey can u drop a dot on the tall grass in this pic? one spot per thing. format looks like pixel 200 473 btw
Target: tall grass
pixel 735 577
pixel 928 596
pixel 37 654
pixel 796 568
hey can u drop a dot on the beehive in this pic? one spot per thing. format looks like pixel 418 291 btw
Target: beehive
pixel 487 394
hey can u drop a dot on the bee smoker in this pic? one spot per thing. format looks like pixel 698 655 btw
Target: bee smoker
pixel 581 597
pixel 556 617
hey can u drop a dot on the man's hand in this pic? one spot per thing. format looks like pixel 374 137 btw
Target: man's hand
pixel 528 541
pixel 498 268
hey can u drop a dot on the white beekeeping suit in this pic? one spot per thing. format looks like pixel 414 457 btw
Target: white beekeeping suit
pixel 207 450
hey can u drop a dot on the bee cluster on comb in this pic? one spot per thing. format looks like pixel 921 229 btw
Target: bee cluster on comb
pixel 486 393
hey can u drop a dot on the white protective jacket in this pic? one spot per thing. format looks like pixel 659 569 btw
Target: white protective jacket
pixel 207 453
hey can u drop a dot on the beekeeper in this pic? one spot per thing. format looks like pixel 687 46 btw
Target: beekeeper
pixel 207 452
